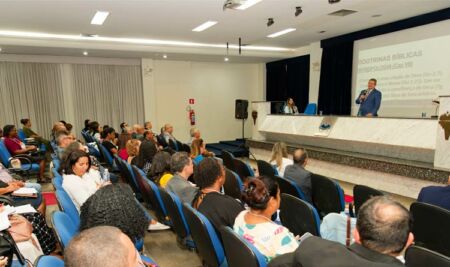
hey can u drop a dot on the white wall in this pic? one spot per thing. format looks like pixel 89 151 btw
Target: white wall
pixel 168 85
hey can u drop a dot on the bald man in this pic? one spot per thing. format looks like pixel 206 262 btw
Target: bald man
pixel 101 246
pixel 382 234
pixel 297 172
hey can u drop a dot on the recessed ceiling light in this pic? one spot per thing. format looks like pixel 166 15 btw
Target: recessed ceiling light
pixel 376 16
pixel 204 26
pixel 226 59
pixel 136 41
pixel 276 34
pixel 322 31
pixel 99 17
pixel 248 4
pixel 85 53
pixel 164 56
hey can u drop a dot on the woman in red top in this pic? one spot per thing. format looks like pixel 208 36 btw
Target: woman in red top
pixel 16 147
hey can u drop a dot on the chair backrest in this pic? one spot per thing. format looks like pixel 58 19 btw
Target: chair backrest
pixel 173 145
pixel 228 160
pixel 175 213
pixel 205 237
pixel 21 135
pixel 186 148
pixel 48 261
pixel 233 185
pixel 242 169
pixel 430 227
pixel 290 187
pixel 327 195
pixel 417 256
pixel 4 154
pixel 64 227
pixel 127 175
pixel 266 169
pixel 362 193
pixel 310 109
pixel 150 195
pixel 57 181
pixel 66 205
pixel 87 137
pixel 299 216
pixel 105 154
pixel 239 252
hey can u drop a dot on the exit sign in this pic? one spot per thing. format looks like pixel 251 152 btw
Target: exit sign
pixel 191 101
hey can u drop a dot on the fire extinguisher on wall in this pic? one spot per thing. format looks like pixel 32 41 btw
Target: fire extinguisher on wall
pixel 191 116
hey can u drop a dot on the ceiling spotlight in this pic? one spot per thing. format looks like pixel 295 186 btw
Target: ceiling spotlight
pixel 270 22
pixel 85 53
pixel 333 1
pixel 226 59
pixel 298 10
pixel 164 56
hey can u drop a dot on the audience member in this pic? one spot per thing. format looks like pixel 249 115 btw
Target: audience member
pixel 94 129
pixel 299 174
pixel 63 140
pixel 138 132
pixel 124 136
pixel 8 186
pixel 262 195
pixel 198 151
pixel 168 134
pixel 80 181
pixel 382 234
pixel 109 141
pixel 29 133
pixel 160 169
pixel 69 127
pixel 115 205
pixel 220 209
pixel 436 195
pixel 182 167
pixel 147 151
pixel 195 134
pixel 148 126
pixel 86 125
pixel 280 158
pixel 16 147
pixel 133 150
pixel 101 246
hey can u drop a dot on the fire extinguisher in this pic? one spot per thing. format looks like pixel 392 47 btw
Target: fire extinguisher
pixel 192 117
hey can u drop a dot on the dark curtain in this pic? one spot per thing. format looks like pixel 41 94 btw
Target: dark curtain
pixel 335 90
pixel 288 78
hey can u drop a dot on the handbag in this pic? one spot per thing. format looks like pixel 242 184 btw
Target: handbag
pixel 8 248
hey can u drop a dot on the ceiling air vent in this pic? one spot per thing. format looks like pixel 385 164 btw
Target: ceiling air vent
pixel 342 12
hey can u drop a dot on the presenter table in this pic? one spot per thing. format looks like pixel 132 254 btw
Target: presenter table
pixel 403 147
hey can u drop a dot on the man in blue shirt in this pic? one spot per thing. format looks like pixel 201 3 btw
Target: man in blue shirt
pixel 369 100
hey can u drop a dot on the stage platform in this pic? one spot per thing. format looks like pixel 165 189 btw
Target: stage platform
pixel 396 155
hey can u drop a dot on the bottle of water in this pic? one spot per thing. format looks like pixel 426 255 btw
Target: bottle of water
pixel 106 175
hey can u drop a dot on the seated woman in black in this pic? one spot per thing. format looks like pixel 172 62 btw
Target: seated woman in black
pixel 220 209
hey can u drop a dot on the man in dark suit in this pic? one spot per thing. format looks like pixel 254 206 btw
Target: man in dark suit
pixel 382 234
pixel 436 195
pixel 297 173
pixel 369 100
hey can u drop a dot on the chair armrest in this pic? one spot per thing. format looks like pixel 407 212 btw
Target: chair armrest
pixel 21 157
pixel 6 200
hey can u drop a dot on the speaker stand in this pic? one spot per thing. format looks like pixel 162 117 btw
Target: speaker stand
pixel 243 126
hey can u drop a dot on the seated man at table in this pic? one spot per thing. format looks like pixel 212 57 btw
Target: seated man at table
pixel 382 234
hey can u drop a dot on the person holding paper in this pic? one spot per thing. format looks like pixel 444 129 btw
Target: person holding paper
pixel 9 188
pixel 369 100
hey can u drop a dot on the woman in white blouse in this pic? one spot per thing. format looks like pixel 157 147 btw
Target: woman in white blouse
pixel 280 158
pixel 80 181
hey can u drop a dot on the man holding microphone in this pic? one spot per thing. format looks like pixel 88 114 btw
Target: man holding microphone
pixel 369 100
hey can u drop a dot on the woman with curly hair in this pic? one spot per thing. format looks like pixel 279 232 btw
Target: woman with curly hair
pixel 115 205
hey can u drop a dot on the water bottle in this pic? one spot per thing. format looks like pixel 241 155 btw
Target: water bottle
pixel 106 176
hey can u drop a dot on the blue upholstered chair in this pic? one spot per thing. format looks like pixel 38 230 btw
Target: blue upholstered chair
pixel 327 195
pixel 67 206
pixel 64 227
pixel 206 241
pixel 310 109
pixel 299 216
pixel 240 252
pixel 27 165
pixel 48 261
pixel 289 187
